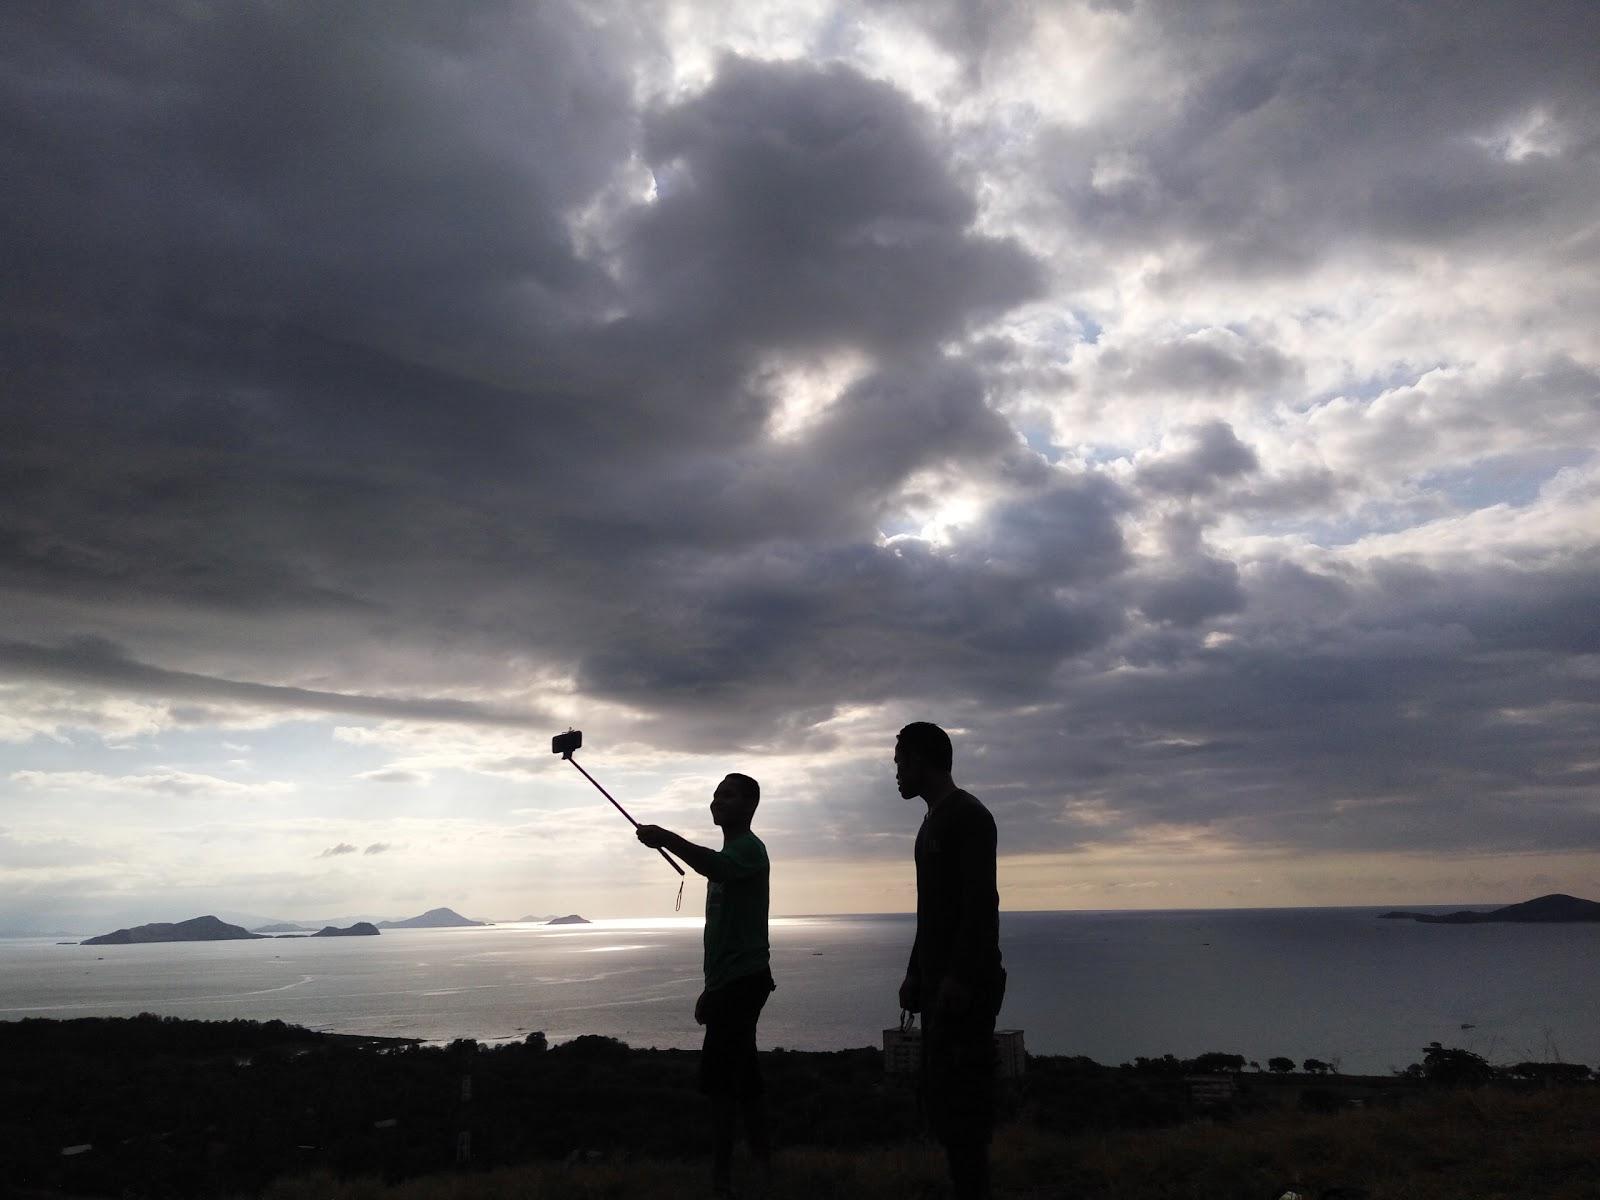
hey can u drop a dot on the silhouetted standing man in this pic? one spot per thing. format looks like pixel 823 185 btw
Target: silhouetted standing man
pixel 954 979
pixel 737 970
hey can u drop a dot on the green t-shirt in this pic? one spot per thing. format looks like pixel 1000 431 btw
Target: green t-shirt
pixel 736 913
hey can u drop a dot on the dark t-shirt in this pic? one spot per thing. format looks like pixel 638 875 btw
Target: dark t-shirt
pixel 736 913
pixel 958 904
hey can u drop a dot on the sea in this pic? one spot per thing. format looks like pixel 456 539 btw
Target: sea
pixel 1336 984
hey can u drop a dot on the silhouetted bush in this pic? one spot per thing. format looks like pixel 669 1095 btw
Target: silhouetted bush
pixel 1448 1066
pixel 1550 1072
pixel 1214 1062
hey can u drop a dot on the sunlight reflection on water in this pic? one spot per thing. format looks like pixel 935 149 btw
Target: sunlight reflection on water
pixel 1324 983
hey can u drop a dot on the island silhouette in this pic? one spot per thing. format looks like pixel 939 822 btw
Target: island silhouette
pixel 196 929
pixel 434 918
pixel 214 929
pixel 1543 910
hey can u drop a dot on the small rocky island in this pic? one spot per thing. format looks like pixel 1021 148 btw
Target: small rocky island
pixel 1556 907
pixel 359 929
pixel 197 929
pixel 434 918
pixel 569 919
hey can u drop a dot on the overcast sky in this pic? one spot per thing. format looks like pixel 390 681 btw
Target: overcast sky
pixel 1193 406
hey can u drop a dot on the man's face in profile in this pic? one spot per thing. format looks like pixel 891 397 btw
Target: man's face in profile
pixel 728 805
pixel 909 772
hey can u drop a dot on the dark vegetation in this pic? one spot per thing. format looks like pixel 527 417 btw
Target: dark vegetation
pixel 188 1108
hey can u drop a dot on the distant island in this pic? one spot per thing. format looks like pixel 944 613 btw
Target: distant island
pixel 359 929
pixel 569 919
pixel 1545 910
pixel 197 929
pixel 434 918
pixel 283 927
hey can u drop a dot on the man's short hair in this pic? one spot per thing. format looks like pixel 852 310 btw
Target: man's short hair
pixel 929 743
pixel 749 789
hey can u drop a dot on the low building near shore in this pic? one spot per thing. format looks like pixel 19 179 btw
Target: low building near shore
pixel 902 1052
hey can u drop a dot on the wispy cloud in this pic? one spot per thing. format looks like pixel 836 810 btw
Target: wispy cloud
pixel 93 662
pixel 159 782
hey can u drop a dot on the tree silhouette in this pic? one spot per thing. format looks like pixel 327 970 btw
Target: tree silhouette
pixel 1449 1066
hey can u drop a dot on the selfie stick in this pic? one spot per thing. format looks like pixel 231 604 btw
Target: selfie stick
pixel 564 744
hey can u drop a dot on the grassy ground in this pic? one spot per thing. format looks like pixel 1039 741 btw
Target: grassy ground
pixel 1480 1145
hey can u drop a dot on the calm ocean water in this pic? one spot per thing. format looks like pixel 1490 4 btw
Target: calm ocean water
pixel 1334 984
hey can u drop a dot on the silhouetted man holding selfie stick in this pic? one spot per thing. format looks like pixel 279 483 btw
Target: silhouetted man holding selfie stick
pixel 737 970
pixel 954 979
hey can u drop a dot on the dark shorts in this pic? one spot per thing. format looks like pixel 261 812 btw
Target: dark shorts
pixel 728 1062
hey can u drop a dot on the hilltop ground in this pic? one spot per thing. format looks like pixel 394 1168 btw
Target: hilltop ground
pixel 156 1107
pixel 1482 1145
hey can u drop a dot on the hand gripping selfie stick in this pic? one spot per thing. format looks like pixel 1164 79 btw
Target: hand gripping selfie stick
pixel 566 744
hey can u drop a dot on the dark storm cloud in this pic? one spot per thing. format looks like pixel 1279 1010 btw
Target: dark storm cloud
pixel 791 625
pixel 323 328
pixel 382 168
pixel 1209 362
pixel 1301 131
pixel 1396 707
pixel 798 206
pixel 1199 589
pixel 1214 455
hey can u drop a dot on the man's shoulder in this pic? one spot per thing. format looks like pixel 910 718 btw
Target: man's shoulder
pixel 747 847
pixel 961 809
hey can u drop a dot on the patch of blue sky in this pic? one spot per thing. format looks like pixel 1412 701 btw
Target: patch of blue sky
pixel 75 750
pixel 1365 388
pixel 1038 439
pixel 1338 532
pixel 1512 479
pixel 900 527
pixel 1056 328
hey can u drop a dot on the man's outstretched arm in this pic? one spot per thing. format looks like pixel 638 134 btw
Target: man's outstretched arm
pixel 713 864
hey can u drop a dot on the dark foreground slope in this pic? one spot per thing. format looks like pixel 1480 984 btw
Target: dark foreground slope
pixel 162 1107
pixel 1482 1145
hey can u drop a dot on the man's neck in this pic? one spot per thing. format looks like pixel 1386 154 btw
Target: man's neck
pixel 941 790
pixel 729 832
